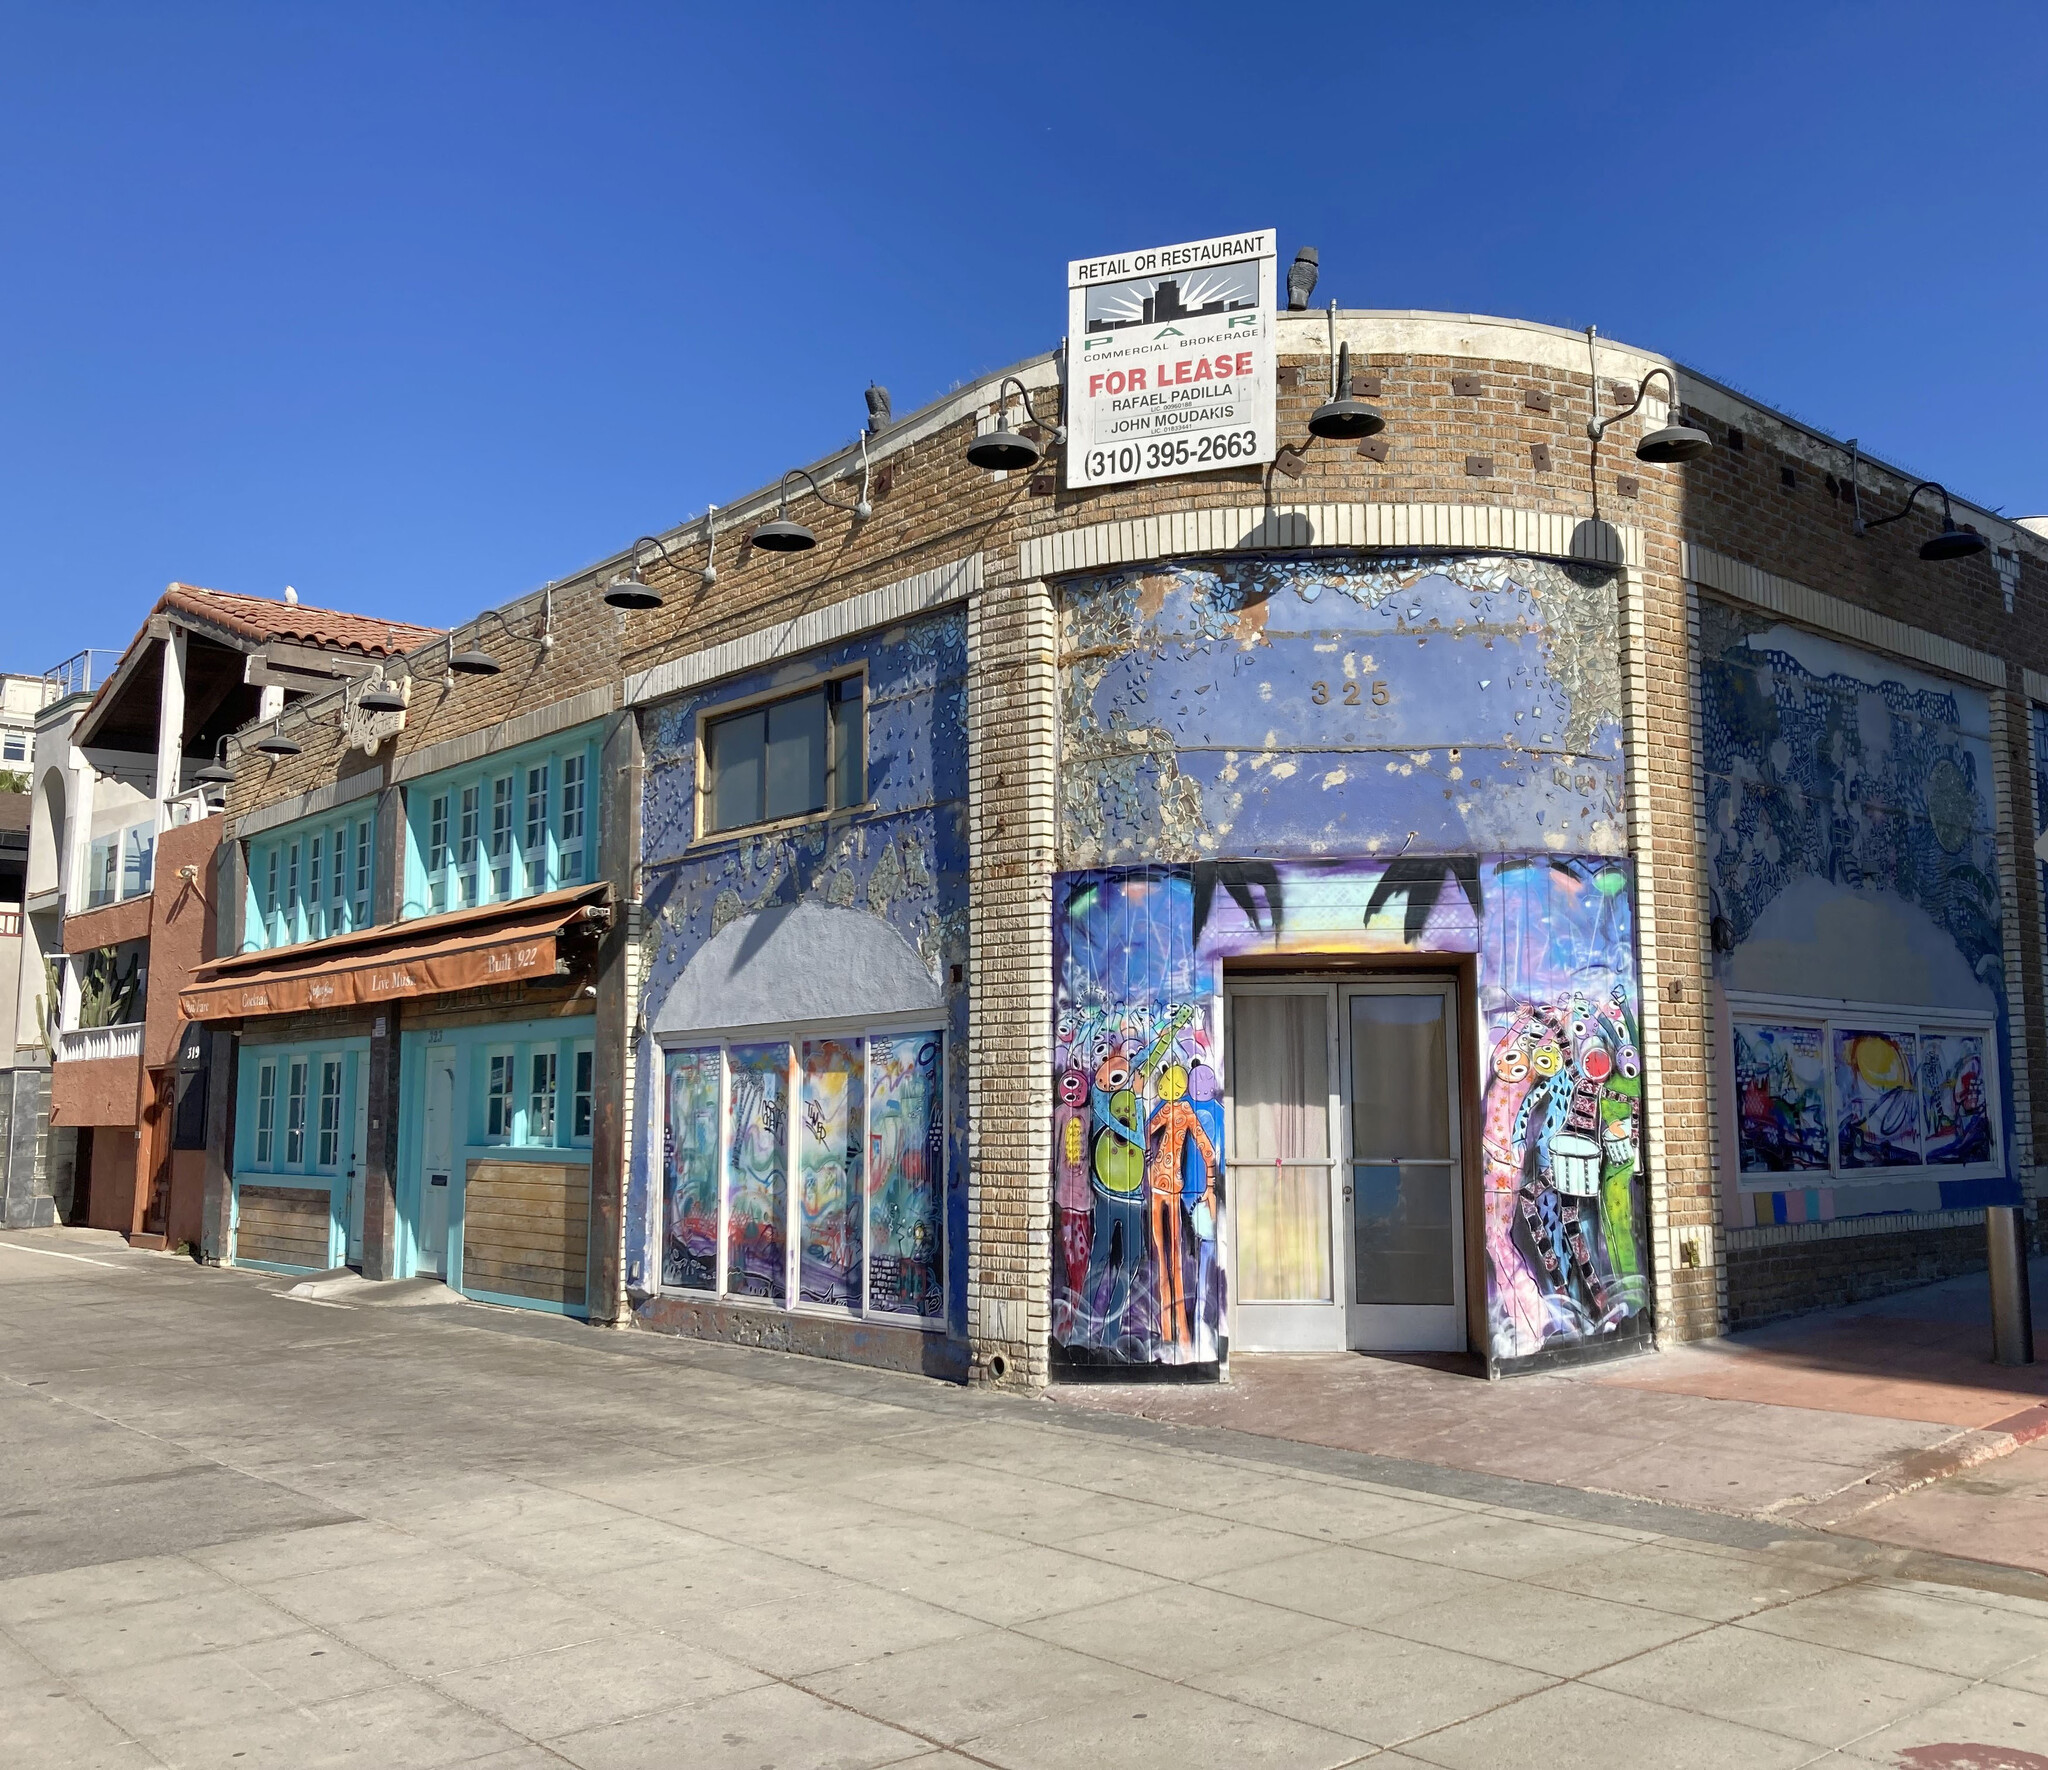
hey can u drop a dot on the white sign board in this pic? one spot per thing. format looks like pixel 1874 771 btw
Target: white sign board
pixel 1170 360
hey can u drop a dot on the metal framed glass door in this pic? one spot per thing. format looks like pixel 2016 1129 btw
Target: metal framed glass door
pixel 1402 1197
pixel 1281 1160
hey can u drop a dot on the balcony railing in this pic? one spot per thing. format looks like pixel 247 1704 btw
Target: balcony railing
pixel 10 920
pixel 82 672
pixel 94 1042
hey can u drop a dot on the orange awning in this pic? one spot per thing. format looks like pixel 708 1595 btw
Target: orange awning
pixel 466 949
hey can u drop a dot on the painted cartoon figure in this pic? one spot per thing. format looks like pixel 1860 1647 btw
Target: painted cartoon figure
pixel 1071 1167
pixel 1175 1133
pixel 1117 1233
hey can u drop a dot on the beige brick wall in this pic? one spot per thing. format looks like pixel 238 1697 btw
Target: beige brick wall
pixel 1526 420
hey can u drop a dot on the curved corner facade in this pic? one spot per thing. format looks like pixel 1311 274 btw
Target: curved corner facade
pixel 1462 891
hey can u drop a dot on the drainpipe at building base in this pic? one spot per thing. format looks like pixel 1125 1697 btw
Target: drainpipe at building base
pixel 2012 1312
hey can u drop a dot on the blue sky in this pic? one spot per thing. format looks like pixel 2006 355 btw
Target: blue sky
pixel 414 307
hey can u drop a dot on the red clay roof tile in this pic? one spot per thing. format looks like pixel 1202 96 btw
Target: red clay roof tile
pixel 261 618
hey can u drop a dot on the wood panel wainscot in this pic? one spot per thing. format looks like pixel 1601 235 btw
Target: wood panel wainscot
pixel 526 1230
pixel 284 1226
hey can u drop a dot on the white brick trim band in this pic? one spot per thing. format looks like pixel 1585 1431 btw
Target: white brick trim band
pixel 1473 528
pixel 1830 614
pixel 915 595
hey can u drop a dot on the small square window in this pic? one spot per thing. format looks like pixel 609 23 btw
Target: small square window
pixel 15 747
pixel 790 758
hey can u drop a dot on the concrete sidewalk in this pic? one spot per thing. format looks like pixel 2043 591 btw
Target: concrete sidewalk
pixel 243 1530
pixel 1818 1420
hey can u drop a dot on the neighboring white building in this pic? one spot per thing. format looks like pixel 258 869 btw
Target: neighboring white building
pixel 22 698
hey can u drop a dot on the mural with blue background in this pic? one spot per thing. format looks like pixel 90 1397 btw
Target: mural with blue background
pixel 1851 850
pixel 1288 757
pixel 896 864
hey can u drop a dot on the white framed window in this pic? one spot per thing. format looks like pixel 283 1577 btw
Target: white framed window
pixel 498 1096
pixel 580 1117
pixel 316 904
pixel 571 821
pixel 366 862
pixel 807 1170
pixel 329 1152
pixel 467 841
pixel 514 827
pixel 437 851
pixel 540 1097
pixel 295 1113
pixel 1856 1094
pixel 14 747
pixel 501 838
pixel 266 1113
pixel 537 857
pixel 308 882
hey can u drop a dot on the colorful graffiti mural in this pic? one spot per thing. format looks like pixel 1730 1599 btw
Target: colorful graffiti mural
pixel 1781 1097
pixel 1877 1102
pixel 757 1172
pixel 906 1174
pixel 829 1173
pixel 1849 811
pixel 1139 1182
pixel 1955 1097
pixel 690 1165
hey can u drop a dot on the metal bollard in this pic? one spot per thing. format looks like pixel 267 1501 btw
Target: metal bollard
pixel 2012 1304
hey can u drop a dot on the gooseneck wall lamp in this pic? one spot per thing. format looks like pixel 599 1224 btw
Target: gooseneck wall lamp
pixel 273 742
pixel 784 536
pixel 1675 441
pixel 628 589
pixel 1952 543
pixel 216 773
pixel 1003 450
pixel 473 660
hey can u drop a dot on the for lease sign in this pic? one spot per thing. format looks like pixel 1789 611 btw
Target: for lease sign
pixel 1170 360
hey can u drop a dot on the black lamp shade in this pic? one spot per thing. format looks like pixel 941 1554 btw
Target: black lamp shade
pixel 627 590
pixel 1953 543
pixel 1675 442
pixel 275 743
pixel 1003 451
pixel 1345 420
pixel 784 536
pixel 381 700
pixel 474 662
pixel 214 774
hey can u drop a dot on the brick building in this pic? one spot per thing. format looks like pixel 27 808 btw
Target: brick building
pixel 1469 889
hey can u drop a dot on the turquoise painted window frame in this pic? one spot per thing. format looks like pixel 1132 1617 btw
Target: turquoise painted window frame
pixel 256 1166
pixel 473 1047
pixel 311 879
pixel 475 835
